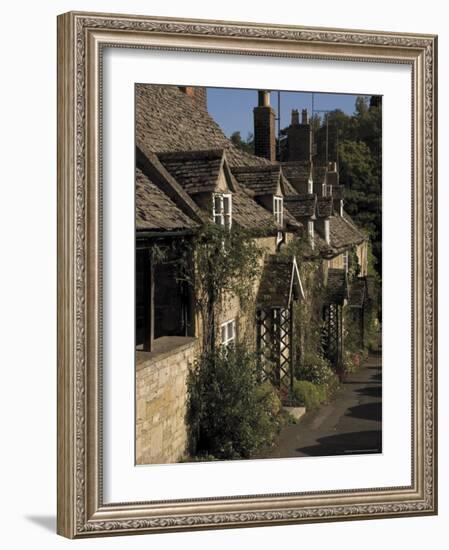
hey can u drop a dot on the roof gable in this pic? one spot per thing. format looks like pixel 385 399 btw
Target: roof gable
pixel 337 286
pixel 198 171
pixel 324 207
pixel 301 206
pixel 281 282
pixel 261 180
pixel 155 211
pixel 343 233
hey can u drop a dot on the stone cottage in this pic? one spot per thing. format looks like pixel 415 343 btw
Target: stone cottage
pixel 188 175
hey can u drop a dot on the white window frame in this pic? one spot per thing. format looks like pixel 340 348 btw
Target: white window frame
pixel 327 233
pixel 346 261
pixel 310 185
pixel 327 190
pixel 222 215
pixel 278 209
pixel 228 333
pixel 311 232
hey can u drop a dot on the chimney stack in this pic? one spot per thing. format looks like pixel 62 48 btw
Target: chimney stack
pixel 304 117
pixel 295 117
pixel 264 127
pixel 299 137
pixel 197 93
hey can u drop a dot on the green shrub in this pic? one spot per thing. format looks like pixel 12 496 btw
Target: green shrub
pixel 315 368
pixel 331 387
pixel 269 399
pixel 306 394
pixel 228 414
pixel 350 362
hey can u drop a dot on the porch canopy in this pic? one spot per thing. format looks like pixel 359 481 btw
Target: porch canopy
pixel 337 286
pixel 280 283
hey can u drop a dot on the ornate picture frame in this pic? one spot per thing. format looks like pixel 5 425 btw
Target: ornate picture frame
pixel 82 38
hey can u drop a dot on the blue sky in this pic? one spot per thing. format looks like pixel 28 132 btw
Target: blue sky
pixel 233 108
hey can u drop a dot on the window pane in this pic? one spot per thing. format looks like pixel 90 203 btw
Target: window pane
pixel 227 205
pixel 231 330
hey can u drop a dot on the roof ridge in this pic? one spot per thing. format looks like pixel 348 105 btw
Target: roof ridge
pixel 205 153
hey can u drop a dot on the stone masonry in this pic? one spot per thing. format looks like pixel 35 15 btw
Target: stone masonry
pixel 161 396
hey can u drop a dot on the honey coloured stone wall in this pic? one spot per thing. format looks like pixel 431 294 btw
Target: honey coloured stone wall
pixel 161 397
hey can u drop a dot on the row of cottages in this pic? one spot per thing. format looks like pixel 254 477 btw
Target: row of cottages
pixel 189 174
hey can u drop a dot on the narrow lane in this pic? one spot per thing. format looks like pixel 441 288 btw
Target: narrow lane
pixel 351 424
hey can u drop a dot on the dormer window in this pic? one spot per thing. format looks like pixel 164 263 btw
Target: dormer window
pixel 327 190
pixel 278 210
pixel 222 209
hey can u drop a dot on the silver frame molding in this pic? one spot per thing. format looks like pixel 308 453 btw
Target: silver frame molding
pixel 81 38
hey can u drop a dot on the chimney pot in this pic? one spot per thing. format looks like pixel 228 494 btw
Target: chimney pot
pixel 264 98
pixel 295 117
pixel 304 117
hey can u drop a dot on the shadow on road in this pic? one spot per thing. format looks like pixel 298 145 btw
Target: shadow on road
pixel 368 411
pixel 375 392
pixel 347 443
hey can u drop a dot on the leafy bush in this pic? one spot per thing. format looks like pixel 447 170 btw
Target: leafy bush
pixel 228 414
pixel 351 362
pixel 306 394
pixel 315 368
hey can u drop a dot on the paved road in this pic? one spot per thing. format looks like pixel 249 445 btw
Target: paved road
pixel 351 424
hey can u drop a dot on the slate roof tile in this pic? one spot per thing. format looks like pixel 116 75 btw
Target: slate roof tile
pixel 324 207
pixel 343 232
pixel 195 171
pixel 155 211
pixel 301 206
pixel 276 282
pixel 262 180
pixel 169 120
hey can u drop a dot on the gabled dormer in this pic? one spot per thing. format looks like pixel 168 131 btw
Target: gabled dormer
pixel 268 186
pixel 303 208
pixel 300 176
pixel 207 178
pixel 324 210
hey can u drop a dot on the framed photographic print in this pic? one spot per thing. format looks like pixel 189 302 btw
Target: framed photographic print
pixel 246 276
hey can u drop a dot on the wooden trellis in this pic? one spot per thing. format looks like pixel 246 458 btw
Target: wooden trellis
pixel 275 346
pixel 333 333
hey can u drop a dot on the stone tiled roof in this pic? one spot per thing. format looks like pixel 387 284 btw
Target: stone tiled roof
pixel 288 187
pixel 290 222
pixel 248 214
pixel 280 282
pixel 324 207
pixel 262 180
pixel 297 172
pixel 336 290
pixel 155 211
pixel 195 171
pixel 169 120
pixel 357 293
pixel 343 232
pixel 301 206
